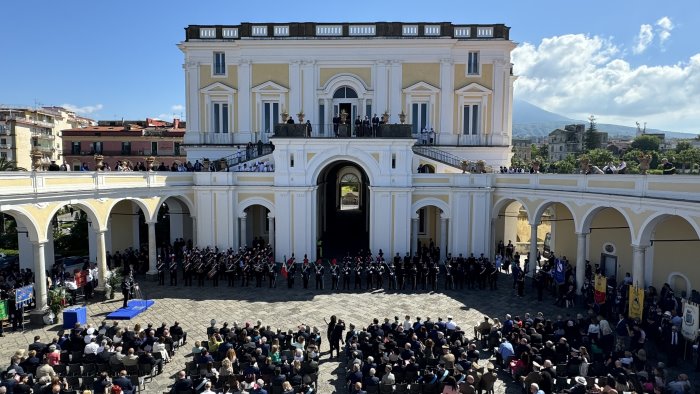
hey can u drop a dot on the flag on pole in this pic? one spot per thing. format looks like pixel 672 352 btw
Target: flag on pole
pixel 691 320
pixel 283 271
pixel 559 274
pixel 601 287
pixel 636 300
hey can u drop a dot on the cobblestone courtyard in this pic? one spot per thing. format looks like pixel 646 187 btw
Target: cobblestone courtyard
pixel 283 308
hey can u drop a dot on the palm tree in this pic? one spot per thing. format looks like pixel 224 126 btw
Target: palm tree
pixel 9 165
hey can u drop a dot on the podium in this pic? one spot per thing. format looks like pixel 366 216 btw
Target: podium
pixel 72 315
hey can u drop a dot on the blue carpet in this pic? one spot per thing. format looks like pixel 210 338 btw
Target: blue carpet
pixel 133 308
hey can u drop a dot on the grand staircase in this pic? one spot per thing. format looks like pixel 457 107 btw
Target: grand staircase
pixel 438 155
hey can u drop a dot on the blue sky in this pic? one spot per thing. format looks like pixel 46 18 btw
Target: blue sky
pixel 114 59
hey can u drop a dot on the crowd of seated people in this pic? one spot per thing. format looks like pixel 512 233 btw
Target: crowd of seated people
pixel 93 358
pixel 252 358
pixel 422 356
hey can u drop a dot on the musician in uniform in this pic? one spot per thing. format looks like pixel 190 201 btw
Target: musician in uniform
pixel 173 270
pixel 433 273
pixel 358 274
pixel 305 272
pixel 187 269
pixel 413 274
pixel 319 274
pixel 449 282
pixel 461 271
pixel 493 276
pixel 259 268
pixel 246 267
pixel 379 273
pixel 291 270
pixel 391 272
pixel 346 271
pixel 369 275
pixel 231 269
pixel 214 270
pixel 160 267
pixel 335 274
pixel 272 273
pixel 201 270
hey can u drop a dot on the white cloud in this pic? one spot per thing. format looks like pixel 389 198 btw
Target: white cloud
pixel 86 110
pixel 644 38
pixel 578 75
pixel 664 27
pixel 177 108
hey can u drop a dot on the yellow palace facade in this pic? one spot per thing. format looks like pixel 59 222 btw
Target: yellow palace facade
pixel 332 185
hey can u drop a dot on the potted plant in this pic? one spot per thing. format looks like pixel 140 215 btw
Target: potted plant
pixel 114 280
pixel 99 162
pixel 402 117
pixel 644 160
pixel 536 164
pixel 464 165
pixel 36 156
pixel 301 116
pixel 149 162
pixel 284 115
pixel 584 164
pixel 58 298
pixel 480 166
pixel 385 117
pixel 343 116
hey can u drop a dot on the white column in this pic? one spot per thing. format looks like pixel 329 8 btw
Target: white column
pixel 533 248
pixel 308 95
pixel 395 92
pixel 580 260
pixel 638 265
pixel 414 235
pixel 40 275
pixel 497 112
pixel 271 230
pixel 446 97
pixel 443 238
pixel 243 226
pixel 244 114
pixel 101 258
pixel 381 86
pixel 192 101
pixel 152 248
pixel 294 89
pixel 92 250
pixel 194 230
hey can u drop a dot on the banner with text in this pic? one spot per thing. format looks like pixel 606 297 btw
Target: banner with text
pixel 636 299
pixel 691 320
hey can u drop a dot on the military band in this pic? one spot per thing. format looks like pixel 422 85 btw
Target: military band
pixel 410 272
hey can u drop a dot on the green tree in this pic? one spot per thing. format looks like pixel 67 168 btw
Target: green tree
pixel 688 158
pixel 9 165
pixel 591 137
pixel 543 151
pixel 600 157
pixel 683 145
pixel 8 236
pixel 73 240
pixel 566 166
pixel 632 157
pixel 646 143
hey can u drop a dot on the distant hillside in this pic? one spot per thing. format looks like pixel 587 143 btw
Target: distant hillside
pixel 531 120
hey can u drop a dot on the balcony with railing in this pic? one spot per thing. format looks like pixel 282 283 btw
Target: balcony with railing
pixel 121 153
pixel 23 119
pixel 331 130
pixel 43 135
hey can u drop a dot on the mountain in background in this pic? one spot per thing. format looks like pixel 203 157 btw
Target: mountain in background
pixel 530 120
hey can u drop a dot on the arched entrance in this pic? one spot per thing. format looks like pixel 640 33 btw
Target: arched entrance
pixel 255 228
pixel 343 209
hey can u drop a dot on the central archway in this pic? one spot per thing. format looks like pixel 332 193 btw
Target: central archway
pixel 343 209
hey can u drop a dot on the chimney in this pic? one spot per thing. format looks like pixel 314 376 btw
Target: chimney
pixel 176 123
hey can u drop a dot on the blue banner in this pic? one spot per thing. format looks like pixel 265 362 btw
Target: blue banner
pixel 24 295
pixel 559 273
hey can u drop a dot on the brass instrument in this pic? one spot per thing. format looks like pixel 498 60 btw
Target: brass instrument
pixel 214 270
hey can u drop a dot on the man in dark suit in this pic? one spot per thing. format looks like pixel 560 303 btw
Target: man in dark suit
pixel 357 389
pixel 183 383
pixel 673 342
pixel 37 345
pixel 123 381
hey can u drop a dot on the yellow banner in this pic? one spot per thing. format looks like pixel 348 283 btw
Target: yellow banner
pixel 636 299
pixel 601 287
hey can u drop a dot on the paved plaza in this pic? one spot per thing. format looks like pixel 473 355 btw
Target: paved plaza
pixel 283 308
